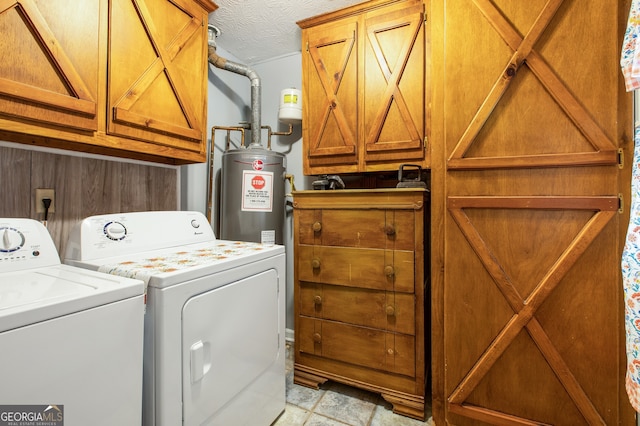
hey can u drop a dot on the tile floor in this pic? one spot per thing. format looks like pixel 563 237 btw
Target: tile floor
pixel 335 404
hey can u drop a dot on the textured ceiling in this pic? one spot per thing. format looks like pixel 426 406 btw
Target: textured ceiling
pixel 257 30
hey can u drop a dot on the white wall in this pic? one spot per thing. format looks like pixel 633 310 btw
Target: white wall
pixel 229 104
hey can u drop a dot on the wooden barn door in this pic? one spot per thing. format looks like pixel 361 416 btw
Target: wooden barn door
pixel 536 129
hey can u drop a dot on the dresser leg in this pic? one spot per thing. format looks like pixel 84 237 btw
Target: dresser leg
pixel 307 379
pixel 405 406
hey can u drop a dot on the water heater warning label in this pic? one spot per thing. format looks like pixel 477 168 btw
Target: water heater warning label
pixel 257 191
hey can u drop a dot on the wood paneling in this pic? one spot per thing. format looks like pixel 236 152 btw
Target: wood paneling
pixel 84 187
pixel 15 181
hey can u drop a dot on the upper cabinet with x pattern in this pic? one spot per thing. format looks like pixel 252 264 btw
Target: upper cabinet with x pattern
pixel 364 77
pixel 49 62
pixel 117 77
pixel 159 96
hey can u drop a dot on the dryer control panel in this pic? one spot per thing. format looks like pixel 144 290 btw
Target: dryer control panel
pixel 120 234
pixel 25 244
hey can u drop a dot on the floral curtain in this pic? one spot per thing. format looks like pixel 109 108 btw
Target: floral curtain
pixel 630 63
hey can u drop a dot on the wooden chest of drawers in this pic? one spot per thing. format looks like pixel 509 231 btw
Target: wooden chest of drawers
pixel 360 292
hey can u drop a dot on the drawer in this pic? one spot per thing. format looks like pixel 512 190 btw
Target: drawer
pixel 357 267
pixel 382 229
pixel 384 310
pixel 367 347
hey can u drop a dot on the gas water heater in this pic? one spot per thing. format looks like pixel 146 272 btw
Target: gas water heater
pixel 253 184
pixel 252 179
pixel 252 195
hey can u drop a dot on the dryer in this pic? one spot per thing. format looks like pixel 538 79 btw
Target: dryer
pixel 214 327
pixel 71 339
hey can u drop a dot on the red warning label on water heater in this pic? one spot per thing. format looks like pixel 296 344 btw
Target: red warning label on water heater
pixel 257 191
pixel 258 182
pixel 258 164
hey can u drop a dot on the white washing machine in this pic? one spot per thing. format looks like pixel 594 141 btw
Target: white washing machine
pixel 214 327
pixel 70 339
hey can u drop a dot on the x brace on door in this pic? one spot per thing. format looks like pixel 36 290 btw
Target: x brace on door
pixel 604 149
pixel 332 105
pixel 525 309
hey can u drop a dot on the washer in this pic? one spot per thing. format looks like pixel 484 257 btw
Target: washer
pixel 214 327
pixel 71 339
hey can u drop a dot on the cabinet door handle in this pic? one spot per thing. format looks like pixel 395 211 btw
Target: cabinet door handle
pixel 390 310
pixel 315 263
pixel 389 230
pixel 317 227
pixel 317 300
pixel 390 351
pixel 388 271
pixel 317 337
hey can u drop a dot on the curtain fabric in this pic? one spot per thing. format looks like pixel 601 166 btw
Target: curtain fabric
pixel 630 60
pixel 630 63
pixel 631 282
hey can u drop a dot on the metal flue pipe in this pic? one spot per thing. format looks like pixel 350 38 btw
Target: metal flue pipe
pixel 256 90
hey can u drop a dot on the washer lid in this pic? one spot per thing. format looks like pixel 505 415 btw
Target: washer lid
pixel 36 295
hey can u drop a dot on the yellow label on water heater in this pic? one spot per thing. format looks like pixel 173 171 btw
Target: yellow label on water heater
pixel 290 98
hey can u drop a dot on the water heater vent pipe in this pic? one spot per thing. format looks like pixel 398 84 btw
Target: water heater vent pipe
pixel 256 89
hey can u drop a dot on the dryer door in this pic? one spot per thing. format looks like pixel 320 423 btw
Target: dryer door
pixel 233 355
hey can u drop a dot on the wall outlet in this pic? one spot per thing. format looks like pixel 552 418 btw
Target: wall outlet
pixel 45 193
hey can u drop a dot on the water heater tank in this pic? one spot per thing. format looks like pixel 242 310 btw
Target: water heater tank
pixel 252 197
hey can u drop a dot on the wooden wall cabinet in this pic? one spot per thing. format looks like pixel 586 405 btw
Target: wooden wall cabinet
pixel 360 292
pixel 363 81
pixel 120 77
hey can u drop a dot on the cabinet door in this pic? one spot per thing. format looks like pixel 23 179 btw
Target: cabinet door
pixel 160 96
pixel 330 90
pixel 394 85
pixel 49 67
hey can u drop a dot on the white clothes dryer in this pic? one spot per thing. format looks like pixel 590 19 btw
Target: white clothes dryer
pixel 214 327
pixel 70 339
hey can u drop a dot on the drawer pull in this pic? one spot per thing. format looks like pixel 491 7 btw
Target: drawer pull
pixel 317 338
pixel 315 263
pixel 390 310
pixel 317 227
pixel 390 351
pixel 389 230
pixel 388 271
pixel 317 300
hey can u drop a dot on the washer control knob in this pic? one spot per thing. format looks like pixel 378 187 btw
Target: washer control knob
pixel 195 224
pixel 12 240
pixel 115 231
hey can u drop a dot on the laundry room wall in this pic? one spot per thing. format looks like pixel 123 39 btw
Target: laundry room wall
pixel 229 104
pixel 84 185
